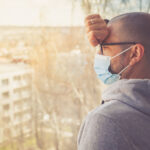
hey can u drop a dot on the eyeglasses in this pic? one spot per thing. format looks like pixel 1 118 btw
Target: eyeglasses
pixel 111 44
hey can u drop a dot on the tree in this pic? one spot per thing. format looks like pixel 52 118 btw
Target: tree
pixel 109 8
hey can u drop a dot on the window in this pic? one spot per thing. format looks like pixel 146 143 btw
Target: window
pixel 17 91
pixel 17 78
pixel 27 76
pixel 5 82
pixel 7 132
pixel 6 119
pixel 6 107
pixel 5 94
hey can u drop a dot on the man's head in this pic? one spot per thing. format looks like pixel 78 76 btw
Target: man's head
pixel 130 27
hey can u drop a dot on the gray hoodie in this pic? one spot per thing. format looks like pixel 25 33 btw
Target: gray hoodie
pixel 122 122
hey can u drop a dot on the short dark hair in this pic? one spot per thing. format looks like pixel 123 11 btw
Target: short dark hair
pixel 134 27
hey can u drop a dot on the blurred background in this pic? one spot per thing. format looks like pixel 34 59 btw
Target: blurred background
pixel 47 81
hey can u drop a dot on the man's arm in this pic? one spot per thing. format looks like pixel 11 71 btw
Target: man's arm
pixel 102 133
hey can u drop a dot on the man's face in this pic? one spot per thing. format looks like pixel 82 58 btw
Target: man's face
pixel 119 62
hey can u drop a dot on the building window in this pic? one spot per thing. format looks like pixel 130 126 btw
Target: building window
pixel 7 133
pixel 17 92
pixel 5 94
pixel 26 76
pixel 6 119
pixel 5 82
pixel 6 107
pixel 17 78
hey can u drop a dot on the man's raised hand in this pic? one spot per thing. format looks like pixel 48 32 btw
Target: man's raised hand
pixel 96 29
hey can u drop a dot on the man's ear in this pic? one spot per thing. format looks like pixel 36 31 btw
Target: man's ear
pixel 137 52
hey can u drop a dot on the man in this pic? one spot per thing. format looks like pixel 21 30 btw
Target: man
pixel 122 122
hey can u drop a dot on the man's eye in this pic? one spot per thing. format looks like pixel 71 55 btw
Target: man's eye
pixel 106 48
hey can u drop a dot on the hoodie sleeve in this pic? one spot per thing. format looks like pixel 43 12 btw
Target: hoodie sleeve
pixel 99 132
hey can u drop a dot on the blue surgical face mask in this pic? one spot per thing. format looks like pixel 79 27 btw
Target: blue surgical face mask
pixel 101 67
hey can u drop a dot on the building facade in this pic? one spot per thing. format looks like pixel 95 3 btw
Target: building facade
pixel 15 101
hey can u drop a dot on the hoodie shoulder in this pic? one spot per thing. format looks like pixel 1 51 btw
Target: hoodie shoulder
pixel 111 109
pixel 100 132
pixel 116 110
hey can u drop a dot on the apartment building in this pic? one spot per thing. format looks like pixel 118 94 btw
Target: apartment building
pixel 15 100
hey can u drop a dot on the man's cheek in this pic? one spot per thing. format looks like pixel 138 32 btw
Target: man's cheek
pixel 115 66
pixel 107 53
pixel 112 67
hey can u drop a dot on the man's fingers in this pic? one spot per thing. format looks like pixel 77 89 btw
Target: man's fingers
pixel 94 43
pixel 96 29
pixel 94 21
pixel 92 39
pixel 93 16
pixel 98 35
pixel 99 26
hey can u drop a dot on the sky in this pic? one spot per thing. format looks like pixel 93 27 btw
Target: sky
pixel 40 12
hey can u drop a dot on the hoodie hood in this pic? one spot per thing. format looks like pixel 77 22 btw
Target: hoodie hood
pixel 133 92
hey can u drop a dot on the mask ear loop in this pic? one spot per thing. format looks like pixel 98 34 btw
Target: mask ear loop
pixel 123 69
pixel 127 65
pixel 121 52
